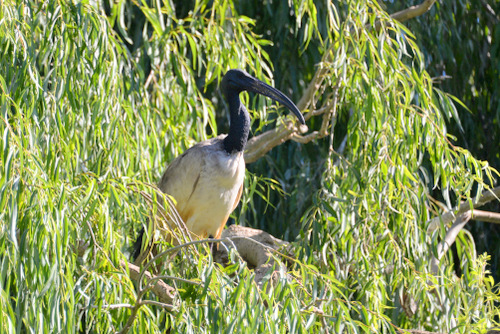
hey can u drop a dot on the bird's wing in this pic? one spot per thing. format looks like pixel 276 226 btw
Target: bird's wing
pixel 237 201
pixel 207 185
pixel 182 176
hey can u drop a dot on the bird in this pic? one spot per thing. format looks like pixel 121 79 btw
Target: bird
pixel 206 181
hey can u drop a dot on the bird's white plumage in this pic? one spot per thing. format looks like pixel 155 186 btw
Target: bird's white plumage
pixel 206 183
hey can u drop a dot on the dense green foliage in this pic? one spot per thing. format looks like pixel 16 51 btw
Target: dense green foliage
pixel 461 44
pixel 94 105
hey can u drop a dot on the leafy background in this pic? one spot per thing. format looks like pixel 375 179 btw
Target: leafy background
pixel 96 99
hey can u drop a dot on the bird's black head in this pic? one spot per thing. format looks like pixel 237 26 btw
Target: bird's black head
pixel 235 81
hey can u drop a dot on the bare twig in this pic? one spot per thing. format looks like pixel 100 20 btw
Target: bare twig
pixel 173 278
pixel 441 78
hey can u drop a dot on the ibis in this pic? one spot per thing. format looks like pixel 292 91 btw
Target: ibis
pixel 206 181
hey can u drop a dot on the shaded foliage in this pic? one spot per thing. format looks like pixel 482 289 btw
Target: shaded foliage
pixel 461 44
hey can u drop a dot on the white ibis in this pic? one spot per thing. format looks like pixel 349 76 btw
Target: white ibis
pixel 207 180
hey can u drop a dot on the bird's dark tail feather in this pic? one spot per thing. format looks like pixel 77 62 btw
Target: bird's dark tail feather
pixel 136 249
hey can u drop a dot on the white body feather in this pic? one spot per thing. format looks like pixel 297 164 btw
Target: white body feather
pixel 206 183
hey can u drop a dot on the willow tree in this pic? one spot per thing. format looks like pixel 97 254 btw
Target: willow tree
pixel 93 109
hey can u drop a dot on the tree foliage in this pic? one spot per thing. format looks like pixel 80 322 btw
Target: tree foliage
pixel 95 103
pixel 461 48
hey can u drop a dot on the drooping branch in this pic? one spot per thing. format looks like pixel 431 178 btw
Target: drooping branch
pixel 462 215
pixel 449 239
pixel 458 225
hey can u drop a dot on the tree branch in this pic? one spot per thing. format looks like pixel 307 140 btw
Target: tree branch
pixel 163 291
pixel 449 239
pixel 413 11
pixel 416 331
pixel 486 197
pixel 458 225
pixel 259 145
pixel 486 216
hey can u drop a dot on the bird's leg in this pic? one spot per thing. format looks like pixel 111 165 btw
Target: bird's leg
pixel 214 246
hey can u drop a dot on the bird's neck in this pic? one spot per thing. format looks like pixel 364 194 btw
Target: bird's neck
pixel 239 127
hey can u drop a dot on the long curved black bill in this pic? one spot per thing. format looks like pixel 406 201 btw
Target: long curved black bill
pixel 260 87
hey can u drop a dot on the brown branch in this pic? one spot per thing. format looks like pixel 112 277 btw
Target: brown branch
pixel 259 145
pixel 462 214
pixel 458 225
pixel 316 112
pixel 486 197
pixel 486 216
pixel 413 11
pixel 309 137
pixel 255 247
pixel 449 239
pixel 263 143
pixel 315 84
pixel 162 290
pixel 416 331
